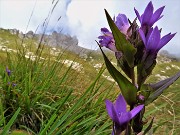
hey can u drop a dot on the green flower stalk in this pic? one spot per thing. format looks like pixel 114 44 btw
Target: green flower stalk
pixel 134 46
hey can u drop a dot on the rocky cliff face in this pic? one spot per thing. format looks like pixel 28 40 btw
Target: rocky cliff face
pixel 63 41
pixel 66 42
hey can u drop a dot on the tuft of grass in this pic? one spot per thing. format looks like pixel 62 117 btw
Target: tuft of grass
pixel 54 98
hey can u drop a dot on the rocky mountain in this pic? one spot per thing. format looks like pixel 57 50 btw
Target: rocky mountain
pixel 55 39
pixel 66 42
pixel 166 54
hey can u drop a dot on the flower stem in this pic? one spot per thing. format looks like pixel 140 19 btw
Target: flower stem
pixel 128 130
pixel 133 76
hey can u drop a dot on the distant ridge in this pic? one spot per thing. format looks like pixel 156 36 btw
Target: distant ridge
pixel 55 39
pixel 66 42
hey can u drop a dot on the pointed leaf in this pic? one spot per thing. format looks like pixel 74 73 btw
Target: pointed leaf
pixel 10 123
pixel 157 85
pixel 128 90
pixel 149 127
pixel 144 69
pixel 121 43
pixel 124 66
pixel 160 90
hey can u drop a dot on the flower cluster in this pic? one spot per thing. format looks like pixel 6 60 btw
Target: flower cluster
pixel 107 39
pixel 9 72
pixel 150 36
pixel 135 47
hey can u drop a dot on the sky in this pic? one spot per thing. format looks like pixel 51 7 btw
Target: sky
pixel 84 18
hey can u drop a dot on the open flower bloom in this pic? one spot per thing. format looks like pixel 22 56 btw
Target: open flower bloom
pixel 119 114
pixel 107 39
pixel 153 41
pixel 148 18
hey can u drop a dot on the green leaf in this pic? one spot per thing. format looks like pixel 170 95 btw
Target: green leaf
pixel 10 123
pixel 122 63
pixel 121 43
pixel 128 90
pixel 45 129
pixel 159 84
pixel 149 127
pixel 145 67
pixel 161 87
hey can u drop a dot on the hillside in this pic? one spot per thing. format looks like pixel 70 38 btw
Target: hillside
pixel 76 68
pixel 84 60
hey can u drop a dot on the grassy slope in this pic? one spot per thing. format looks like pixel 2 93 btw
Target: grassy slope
pixel 165 109
pixel 13 42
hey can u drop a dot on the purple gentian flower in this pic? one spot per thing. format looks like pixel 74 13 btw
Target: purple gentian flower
pixel 153 41
pixel 107 39
pixel 119 114
pixel 8 71
pixel 14 84
pixel 122 23
pixel 148 18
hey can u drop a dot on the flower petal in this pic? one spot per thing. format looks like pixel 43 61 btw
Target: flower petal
pixel 122 23
pixel 120 104
pixel 111 111
pixel 165 39
pixel 104 30
pixel 122 20
pixel 147 14
pixel 101 37
pixel 136 110
pixel 112 47
pixel 142 36
pixel 124 118
pixel 156 15
pixel 149 33
pixel 153 40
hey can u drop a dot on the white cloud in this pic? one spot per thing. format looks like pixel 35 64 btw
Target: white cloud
pixel 84 18
pixel 16 13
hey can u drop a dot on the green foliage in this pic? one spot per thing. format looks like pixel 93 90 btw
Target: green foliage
pixel 51 99
pixel 129 91
pixel 58 99
pixel 10 122
pixel 161 86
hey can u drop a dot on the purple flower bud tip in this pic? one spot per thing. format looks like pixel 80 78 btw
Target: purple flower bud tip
pixel 141 97
pixel 122 23
pixel 8 71
pixel 14 84
pixel 119 114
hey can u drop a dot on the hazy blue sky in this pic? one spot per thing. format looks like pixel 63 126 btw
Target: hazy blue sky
pixel 84 18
